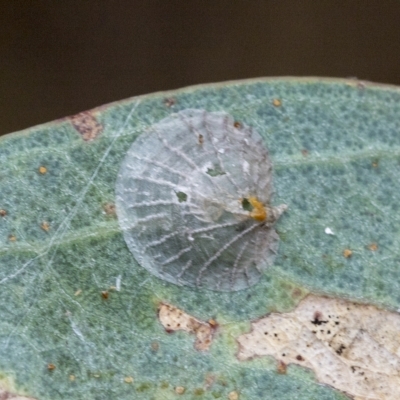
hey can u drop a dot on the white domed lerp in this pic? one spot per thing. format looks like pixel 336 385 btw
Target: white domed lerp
pixel 193 200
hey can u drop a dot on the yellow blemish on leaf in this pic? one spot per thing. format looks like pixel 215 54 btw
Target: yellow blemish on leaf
pixel 347 253
pixel 12 238
pixel 78 292
pixel 45 226
pixel 42 170
pixel 233 395
pixel 72 378
pixel 259 212
pixel 179 390
pixel 276 102
pixel 128 379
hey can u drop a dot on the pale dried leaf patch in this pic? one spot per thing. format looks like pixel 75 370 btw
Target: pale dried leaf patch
pixel 233 395
pixel 8 391
pixel 4 395
pixel 353 347
pixel 173 319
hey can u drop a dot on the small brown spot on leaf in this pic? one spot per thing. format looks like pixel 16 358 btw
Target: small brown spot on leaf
pixel 42 170
pixel 3 212
pixel 375 163
pixel 276 102
pixel 201 139
pixel 109 209
pixel 105 294
pixel 304 152
pixel 281 368
pixel 213 323
pixel 51 367
pixel 87 125
pixel 237 124
pixel 169 102
pixel 373 246
pixel 45 226
pixel 299 358
pixel 12 238
pixel 347 253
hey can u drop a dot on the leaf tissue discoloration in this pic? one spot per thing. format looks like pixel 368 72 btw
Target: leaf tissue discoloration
pixel 9 392
pixel 173 319
pixel 352 347
pixel 87 125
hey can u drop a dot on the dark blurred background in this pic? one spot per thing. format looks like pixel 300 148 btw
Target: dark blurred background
pixel 61 57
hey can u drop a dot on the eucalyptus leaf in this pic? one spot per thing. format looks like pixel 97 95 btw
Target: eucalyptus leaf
pixel 80 317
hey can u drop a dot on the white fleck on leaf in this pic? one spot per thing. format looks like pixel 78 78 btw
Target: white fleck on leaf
pixel 118 283
pixel 193 215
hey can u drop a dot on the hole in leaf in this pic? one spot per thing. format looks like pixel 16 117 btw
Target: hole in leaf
pixel 246 205
pixel 181 196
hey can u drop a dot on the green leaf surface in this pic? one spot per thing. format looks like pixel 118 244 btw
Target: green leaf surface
pixel 335 149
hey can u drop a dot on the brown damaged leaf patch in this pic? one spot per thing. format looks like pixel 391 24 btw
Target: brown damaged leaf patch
pixel 173 319
pixel 109 209
pixel 87 125
pixel 352 347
